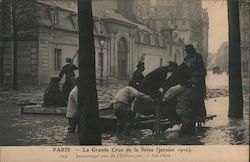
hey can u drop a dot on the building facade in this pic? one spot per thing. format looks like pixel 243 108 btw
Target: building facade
pixel 120 42
pixel 222 59
pixel 245 34
pixel 135 10
pixel 187 17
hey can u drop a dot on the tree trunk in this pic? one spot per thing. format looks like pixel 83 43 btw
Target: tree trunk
pixel 14 50
pixel 2 67
pixel 89 128
pixel 235 81
pixel 13 31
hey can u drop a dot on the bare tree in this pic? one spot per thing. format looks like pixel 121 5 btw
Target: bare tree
pixel 18 18
pixel 235 80
pixel 89 132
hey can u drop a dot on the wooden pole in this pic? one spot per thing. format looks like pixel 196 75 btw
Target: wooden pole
pixel 235 80
pixel 89 128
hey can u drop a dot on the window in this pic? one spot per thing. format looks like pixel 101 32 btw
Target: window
pixel 74 20
pixel 56 18
pixel 161 62
pixel 146 38
pixel 183 22
pixel 245 37
pixel 157 42
pixel 57 59
pixel 137 37
pixel 245 19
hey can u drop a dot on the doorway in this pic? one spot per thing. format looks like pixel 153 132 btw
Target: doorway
pixel 122 58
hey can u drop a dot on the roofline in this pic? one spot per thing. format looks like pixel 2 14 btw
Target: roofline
pixel 59 29
pixel 119 21
pixel 73 11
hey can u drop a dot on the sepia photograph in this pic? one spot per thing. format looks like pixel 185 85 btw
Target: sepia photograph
pixel 124 72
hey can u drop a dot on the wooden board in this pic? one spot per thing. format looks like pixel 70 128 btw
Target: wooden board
pixel 40 110
pixel 107 117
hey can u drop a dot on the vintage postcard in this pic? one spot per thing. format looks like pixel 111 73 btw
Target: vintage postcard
pixel 124 80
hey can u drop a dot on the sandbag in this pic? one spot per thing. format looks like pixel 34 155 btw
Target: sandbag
pixel 172 92
pixel 144 106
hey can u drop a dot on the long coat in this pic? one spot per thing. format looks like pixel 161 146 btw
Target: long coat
pixel 198 83
pixel 136 79
pixel 53 96
pixel 68 71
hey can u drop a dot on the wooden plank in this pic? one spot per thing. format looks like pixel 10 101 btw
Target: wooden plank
pixel 108 119
pixel 40 110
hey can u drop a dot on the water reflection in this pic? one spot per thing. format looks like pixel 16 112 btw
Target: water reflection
pixel 221 130
pixel 237 131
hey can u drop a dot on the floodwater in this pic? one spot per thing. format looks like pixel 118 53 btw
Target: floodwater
pixel 219 131
pixel 26 130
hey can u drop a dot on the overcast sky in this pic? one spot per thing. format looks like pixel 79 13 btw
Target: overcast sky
pixel 218 24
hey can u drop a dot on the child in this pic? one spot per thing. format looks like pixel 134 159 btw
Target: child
pixel 122 105
pixel 71 113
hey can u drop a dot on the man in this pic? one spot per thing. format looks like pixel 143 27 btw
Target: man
pixel 123 107
pixel 190 103
pixel 68 71
pixel 174 85
pixel 71 112
pixel 198 80
pixel 151 85
pixel 155 80
pixel 137 76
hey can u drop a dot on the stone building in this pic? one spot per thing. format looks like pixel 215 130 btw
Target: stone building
pixel 245 34
pixel 43 41
pixel 135 10
pixel 120 42
pixel 222 57
pixel 187 18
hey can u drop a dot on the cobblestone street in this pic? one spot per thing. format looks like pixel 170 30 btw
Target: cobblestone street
pixel 22 130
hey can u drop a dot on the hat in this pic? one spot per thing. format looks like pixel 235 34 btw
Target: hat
pixel 172 64
pixel 68 59
pixel 190 49
pixel 139 64
pixel 54 79
pixel 189 46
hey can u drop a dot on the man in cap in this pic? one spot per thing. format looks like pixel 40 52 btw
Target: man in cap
pixel 151 85
pixel 69 71
pixel 137 76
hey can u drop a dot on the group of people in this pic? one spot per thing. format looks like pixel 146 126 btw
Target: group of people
pixel 179 91
pixel 55 97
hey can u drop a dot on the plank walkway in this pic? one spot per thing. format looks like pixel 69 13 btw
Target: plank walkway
pixel 108 119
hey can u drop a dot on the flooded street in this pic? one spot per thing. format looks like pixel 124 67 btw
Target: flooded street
pixel 220 131
pixel 17 129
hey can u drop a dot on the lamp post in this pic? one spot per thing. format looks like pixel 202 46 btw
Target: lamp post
pixel 102 43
